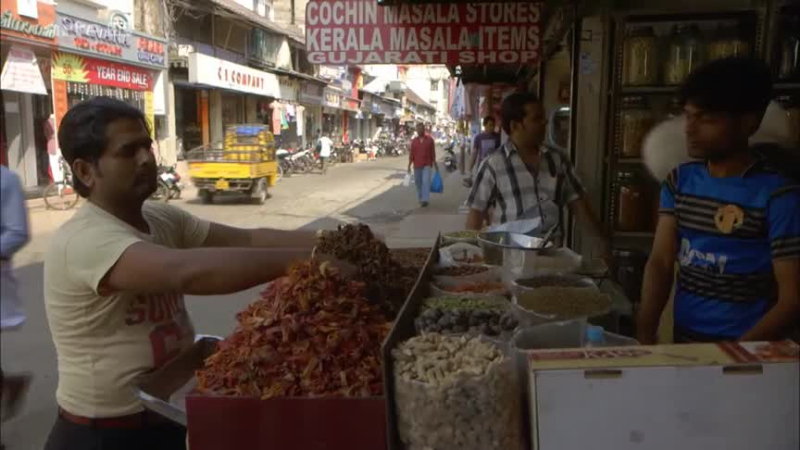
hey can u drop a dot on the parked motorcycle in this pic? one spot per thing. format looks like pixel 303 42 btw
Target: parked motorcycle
pixel 285 164
pixel 303 160
pixel 169 184
pixel 450 159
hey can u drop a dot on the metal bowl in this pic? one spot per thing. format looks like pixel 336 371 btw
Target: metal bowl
pixel 493 244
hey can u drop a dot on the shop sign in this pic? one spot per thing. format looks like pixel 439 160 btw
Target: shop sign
pixel 350 104
pixel 118 43
pixel 332 99
pixel 21 72
pixel 310 94
pixel 288 89
pixel 18 20
pixel 80 69
pixel 204 69
pixel 361 32
pixel 332 72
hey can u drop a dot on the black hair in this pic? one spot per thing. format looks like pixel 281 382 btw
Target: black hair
pixel 736 85
pixel 488 119
pixel 82 132
pixel 514 108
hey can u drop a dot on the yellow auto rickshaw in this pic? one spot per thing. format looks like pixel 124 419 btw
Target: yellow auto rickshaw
pixel 244 162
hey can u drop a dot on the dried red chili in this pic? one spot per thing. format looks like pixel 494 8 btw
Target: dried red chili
pixel 311 334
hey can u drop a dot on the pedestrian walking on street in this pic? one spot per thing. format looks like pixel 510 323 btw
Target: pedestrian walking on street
pixel 116 274
pixel 484 144
pixel 423 158
pixel 14 234
pixel 324 146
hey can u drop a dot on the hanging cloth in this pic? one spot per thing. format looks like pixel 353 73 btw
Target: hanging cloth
pixel 276 118
pixel 300 120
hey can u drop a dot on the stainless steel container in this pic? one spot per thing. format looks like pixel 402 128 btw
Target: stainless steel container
pixel 494 243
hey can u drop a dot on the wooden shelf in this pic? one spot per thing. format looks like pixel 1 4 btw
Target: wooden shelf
pixel 645 90
pixel 629 161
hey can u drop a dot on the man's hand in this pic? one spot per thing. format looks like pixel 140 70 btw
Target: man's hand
pixel 475 220
pixel 658 277
pixel 786 311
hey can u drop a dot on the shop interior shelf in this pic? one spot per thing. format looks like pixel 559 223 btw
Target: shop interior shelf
pixel 645 90
pixel 786 86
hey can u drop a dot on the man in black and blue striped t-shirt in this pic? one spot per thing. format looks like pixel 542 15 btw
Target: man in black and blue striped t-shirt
pixel 731 220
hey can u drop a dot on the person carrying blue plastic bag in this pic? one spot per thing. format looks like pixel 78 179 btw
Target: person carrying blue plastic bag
pixel 437 185
pixel 423 157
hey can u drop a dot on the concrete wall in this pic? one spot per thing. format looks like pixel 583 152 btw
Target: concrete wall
pixel 420 77
pixel 215 115
pixel 282 12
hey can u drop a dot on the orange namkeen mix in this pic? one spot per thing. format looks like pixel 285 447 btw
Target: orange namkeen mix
pixel 312 334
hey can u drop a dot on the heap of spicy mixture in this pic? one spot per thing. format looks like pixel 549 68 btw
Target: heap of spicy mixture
pixel 388 282
pixel 312 334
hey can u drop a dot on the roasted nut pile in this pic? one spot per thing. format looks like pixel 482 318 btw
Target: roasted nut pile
pixel 456 393
pixel 312 334
pixel 411 257
pixel 388 282
pixel 564 302
pixel 460 271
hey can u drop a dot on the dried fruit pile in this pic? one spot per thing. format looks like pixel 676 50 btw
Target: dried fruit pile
pixel 411 257
pixel 312 334
pixel 388 282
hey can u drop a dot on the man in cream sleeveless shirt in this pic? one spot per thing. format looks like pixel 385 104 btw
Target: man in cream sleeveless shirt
pixel 116 275
pixel 106 339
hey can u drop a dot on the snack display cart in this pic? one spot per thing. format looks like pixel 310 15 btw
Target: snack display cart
pixel 473 358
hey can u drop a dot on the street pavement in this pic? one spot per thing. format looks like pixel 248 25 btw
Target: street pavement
pixel 369 192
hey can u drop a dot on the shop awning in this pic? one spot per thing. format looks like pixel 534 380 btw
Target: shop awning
pixel 413 97
pixel 242 12
pixel 299 75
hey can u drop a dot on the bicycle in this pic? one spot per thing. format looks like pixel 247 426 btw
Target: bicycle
pixel 61 195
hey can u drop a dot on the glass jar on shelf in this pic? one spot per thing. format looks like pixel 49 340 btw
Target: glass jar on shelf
pixel 789 47
pixel 684 55
pixel 640 57
pixel 637 119
pixel 633 203
pixel 727 42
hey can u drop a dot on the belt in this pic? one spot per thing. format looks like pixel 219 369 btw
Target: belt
pixel 134 421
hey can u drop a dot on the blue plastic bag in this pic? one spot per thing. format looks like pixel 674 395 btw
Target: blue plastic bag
pixel 437 186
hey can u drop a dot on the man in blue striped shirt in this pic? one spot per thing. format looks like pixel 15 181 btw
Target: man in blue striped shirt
pixel 731 220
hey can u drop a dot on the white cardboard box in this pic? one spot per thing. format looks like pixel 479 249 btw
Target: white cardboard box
pixel 726 396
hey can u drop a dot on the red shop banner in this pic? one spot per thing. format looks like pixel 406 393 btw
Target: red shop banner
pixel 80 69
pixel 361 32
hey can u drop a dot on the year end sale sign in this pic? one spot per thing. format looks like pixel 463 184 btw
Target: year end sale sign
pixel 80 69
pixel 361 32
